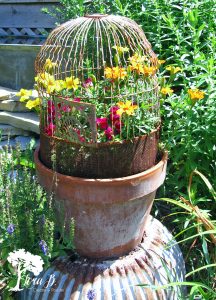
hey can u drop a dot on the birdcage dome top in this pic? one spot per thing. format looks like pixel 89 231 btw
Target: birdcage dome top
pixel 93 42
pixel 96 77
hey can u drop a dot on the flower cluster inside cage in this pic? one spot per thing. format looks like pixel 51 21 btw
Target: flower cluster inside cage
pixel 96 78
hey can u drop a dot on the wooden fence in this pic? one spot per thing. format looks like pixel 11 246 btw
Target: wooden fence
pixel 23 22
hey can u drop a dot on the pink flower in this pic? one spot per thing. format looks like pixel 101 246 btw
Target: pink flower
pixel 109 133
pixel 114 118
pixel 81 138
pixel 118 126
pixel 88 83
pixel 102 123
pixel 50 129
pixel 66 108
pixel 113 110
pixel 50 107
pixel 77 99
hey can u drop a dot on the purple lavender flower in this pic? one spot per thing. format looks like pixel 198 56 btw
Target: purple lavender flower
pixel 91 294
pixel 43 246
pixel 10 228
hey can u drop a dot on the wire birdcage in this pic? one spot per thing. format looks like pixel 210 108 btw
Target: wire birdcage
pixel 98 86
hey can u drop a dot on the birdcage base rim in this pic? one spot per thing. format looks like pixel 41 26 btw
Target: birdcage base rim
pixel 104 160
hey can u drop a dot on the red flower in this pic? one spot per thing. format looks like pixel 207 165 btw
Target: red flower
pixel 50 129
pixel 113 110
pixel 66 108
pixel 50 106
pixel 118 126
pixel 102 123
pixel 77 99
pixel 81 138
pixel 109 133
pixel 114 118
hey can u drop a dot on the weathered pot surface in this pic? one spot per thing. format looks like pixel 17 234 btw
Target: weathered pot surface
pixel 109 214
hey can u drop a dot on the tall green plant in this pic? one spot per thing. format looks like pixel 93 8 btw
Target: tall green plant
pixel 27 216
pixel 194 227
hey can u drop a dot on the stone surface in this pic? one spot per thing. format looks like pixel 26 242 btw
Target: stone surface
pixel 27 121
pixel 13 105
pixel 6 93
pixel 8 130
pixel 10 143
pixel 17 65
pixel 22 141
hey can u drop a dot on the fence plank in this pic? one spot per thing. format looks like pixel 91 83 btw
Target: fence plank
pixel 25 15
pixel 28 1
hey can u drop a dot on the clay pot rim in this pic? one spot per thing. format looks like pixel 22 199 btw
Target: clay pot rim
pixel 139 176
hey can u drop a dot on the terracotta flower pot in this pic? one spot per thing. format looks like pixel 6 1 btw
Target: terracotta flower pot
pixel 109 214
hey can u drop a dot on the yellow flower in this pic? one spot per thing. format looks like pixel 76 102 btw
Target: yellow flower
pixel 120 49
pixel 115 73
pixel 40 77
pixel 49 83
pixel 33 103
pixel 161 61
pixel 71 83
pixel 137 59
pixel 60 85
pixel 166 90
pixel 126 107
pixel 49 65
pixel 138 67
pixel 108 72
pixel 24 94
pixel 173 70
pixel 196 94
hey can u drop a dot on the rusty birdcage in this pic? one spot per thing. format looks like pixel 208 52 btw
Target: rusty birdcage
pixel 100 109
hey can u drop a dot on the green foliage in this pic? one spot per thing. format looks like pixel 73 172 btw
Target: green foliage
pixel 24 204
pixel 194 227
pixel 189 133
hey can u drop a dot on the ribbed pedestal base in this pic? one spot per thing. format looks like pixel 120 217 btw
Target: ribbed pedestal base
pixel 152 262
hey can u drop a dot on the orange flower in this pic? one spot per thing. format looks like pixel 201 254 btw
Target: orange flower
pixel 115 73
pixel 148 71
pixel 196 94
pixel 127 108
